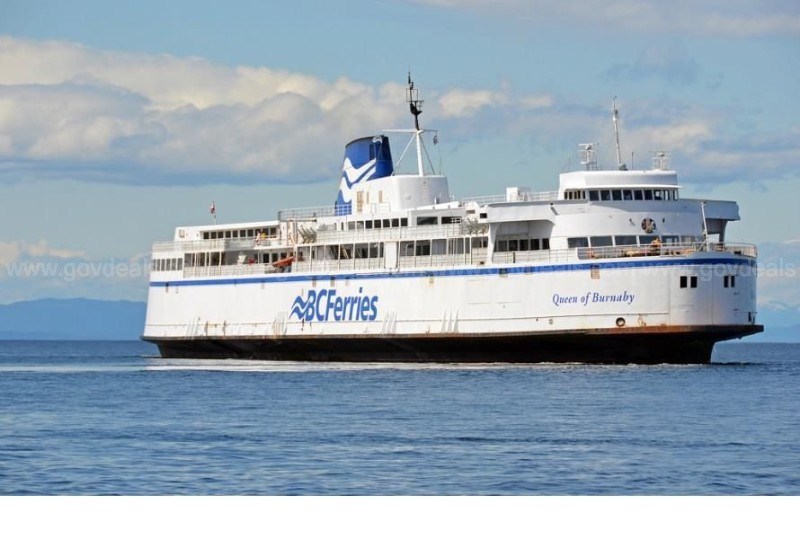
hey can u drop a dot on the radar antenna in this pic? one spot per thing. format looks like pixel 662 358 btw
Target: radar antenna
pixel 414 102
pixel 615 118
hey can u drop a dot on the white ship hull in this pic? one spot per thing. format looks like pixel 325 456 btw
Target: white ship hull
pixel 610 311
pixel 613 267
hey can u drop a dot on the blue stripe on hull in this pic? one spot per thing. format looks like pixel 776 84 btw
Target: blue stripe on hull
pixel 289 277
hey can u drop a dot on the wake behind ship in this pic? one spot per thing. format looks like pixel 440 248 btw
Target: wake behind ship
pixel 613 267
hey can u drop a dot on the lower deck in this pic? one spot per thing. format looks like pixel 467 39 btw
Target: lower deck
pixel 641 345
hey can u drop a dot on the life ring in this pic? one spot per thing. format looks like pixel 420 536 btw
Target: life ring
pixel 648 225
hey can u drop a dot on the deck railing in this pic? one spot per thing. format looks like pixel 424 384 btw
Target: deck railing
pixel 476 257
pixel 540 196
pixel 665 249
pixel 306 214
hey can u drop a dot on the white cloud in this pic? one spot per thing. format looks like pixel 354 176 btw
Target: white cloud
pixel 68 111
pixel 459 103
pixel 734 18
pixel 13 251
pixel 66 103
pixel 43 249
pixel 9 252
pixel 537 102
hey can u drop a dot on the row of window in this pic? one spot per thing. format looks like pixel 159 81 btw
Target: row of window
pixel 263 233
pixel 166 264
pixel 358 250
pixel 521 244
pixel 376 223
pixel 453 246
pixel 192 260
pixel 608 241
pixel 728 281
pixel 621 194
pixel 422 220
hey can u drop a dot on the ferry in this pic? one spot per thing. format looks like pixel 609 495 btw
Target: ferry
pixel 612 267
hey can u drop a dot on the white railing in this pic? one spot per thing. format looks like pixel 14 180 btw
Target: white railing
pixel 230 270
pixel 540 196
pixel 665 249
pixel 543 256
pixel 345 264
pixel 476 257
pixel 744 249
pixel 392 234
pixel 217 245
pixel 306 214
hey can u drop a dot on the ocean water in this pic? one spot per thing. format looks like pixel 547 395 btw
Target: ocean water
pixel 102 418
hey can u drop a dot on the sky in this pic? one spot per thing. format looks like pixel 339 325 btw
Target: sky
pixel 122 120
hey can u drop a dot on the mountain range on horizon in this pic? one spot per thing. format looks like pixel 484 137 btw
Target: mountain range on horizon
pixel 93 319
pixel 72 319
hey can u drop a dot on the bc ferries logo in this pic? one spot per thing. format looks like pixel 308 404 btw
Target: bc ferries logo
pixel 325 306
pixel 365 159
pixel 352 175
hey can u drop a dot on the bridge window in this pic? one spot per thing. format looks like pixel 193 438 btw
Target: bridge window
pixel 601 241
pixel 647 240
pixel 480 243
pixel 573 243
pixel 605 194
pixel 616 194
pixel 625 240
pixel 425 220
pixel 594 195
pixel 637 194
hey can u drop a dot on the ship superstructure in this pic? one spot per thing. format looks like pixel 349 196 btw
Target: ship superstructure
pixel 614 266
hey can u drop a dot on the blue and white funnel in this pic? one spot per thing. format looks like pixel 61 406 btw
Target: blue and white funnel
pixel 365 159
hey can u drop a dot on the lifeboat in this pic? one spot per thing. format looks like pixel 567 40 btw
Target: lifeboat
pixel 283 262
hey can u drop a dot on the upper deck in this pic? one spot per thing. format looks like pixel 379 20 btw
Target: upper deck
pixel 385 219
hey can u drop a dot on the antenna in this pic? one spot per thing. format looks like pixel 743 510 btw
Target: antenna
pixel 414 102
pixel 615 118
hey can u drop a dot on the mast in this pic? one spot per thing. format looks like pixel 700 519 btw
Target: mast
pixel 415 105
pixel 615 118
